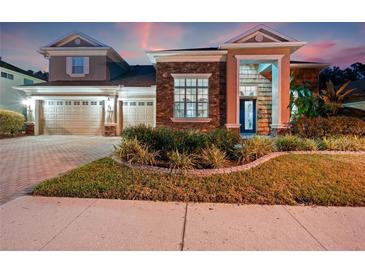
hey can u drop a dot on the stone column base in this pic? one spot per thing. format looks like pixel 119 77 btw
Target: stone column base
pixel 29 128
pixel 110 130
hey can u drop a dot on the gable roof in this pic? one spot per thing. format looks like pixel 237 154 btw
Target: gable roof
pixel 73 35
pixel 8 66
pixel 264 30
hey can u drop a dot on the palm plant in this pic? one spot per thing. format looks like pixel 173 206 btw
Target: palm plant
pixel 302 101
pixel 333 99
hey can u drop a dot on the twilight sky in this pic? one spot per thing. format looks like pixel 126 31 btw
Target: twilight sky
pixel 336 43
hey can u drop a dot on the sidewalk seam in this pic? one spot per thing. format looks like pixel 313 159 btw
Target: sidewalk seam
pixel 292 215
pixel 67 225
pixel 184 228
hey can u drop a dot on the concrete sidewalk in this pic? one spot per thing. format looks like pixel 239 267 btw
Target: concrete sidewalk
pixel 40 223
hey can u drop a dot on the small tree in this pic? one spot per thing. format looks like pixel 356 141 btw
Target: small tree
pixel 302 101
pixel 333 99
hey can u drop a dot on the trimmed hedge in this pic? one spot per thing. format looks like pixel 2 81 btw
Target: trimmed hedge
pixel 11 122
pixel 320 127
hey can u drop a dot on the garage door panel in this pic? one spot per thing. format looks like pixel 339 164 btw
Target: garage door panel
pixel 73 117
pixel 138 112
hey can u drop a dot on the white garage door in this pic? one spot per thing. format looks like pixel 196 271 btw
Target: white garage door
pixel 138 112
pixel 84 117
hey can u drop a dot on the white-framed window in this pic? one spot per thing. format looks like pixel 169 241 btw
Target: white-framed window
pixel 27 81
pixel 248 90
pixel 191 97
pixel 7 75
pixel 77 65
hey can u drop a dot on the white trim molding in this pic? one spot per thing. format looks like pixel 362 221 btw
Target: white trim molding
pixel 187 56
pixel 292 45
pixel 191 75
pixel 190 120
pixel 276 93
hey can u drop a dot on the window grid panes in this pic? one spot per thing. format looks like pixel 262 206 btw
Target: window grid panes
pixel 247 90
pixel 77 65
pixel 191 98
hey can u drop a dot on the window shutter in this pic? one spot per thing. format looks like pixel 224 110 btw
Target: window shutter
pixel 86 65
pixel 69 65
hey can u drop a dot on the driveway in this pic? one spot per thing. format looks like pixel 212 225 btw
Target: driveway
pixel 44 223
pixel 26 161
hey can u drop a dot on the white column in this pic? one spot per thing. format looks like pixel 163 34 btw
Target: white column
pixel 275 114
pixel 37 110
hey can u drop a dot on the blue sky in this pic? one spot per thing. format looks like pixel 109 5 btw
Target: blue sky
pixel 335 43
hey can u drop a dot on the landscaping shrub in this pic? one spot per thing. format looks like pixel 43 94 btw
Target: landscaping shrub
pixel 181 160
pixel 225 140
pixel 328 126
pixel 294 143
pixel 189 141
pixel 212 157
pixel 132 151
pixel 342 143
pixel 11 122
pixel 254 148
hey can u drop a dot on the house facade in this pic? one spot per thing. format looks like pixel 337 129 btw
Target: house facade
pixel 243 85
pixel 11 98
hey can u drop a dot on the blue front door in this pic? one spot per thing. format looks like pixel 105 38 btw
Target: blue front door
pixel 247 116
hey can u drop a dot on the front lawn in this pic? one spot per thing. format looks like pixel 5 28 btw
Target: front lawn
pixel 290 179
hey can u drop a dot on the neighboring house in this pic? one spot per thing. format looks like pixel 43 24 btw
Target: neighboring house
pixel 11 98
pixel 242 84
pixel 357 97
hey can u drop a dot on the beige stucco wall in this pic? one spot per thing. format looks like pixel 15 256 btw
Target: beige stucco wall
pixel 97 69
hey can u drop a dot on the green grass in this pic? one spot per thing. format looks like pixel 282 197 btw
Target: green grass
pixel 337 180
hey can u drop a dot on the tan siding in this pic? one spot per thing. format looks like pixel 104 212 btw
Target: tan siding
pixel 97 69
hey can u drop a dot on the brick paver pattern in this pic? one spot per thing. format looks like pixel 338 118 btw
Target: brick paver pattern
pixel 26 161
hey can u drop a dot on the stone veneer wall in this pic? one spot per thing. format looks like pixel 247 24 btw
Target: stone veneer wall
pixel 263 100
pixel 165 93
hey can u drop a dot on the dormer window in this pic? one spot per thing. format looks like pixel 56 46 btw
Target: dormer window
pixel 77 65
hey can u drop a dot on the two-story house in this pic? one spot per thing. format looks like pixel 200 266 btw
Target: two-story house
pixel 242 84
pixel 11 98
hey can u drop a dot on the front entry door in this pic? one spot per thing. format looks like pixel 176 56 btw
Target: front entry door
pixel 247 116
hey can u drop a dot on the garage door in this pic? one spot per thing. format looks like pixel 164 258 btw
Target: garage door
pixel 138 112
pixel 84 117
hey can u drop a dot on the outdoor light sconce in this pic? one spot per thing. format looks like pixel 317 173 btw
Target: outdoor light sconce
pixel 110 112
pixel 28 103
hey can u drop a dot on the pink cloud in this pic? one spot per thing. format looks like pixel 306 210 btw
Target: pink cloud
pixel 314 50
pixel 241 28
pixel 152 35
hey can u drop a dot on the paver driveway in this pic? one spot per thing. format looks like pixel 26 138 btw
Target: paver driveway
pixel 25 161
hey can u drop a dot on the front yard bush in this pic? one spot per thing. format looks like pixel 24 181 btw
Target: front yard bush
pixel 133 152
pixel 343 143
pixel 225 140
pixel 212 157
pixel 294 143
pixel 165 140
pixel 319 127
pixel 181 160
pixel 254 148
pixel 11 122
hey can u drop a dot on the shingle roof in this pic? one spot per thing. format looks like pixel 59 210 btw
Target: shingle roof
pixel 6 65
pixel 138 76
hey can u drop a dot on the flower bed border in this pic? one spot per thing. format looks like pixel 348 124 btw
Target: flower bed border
pixel 227 170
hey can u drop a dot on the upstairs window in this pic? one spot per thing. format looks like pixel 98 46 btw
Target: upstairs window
pixel 77 65
pixel 28 81
pixel 191 97
pixel 7 75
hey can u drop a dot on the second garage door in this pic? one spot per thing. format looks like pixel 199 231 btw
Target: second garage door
pixel 138 112
pixel 79 117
